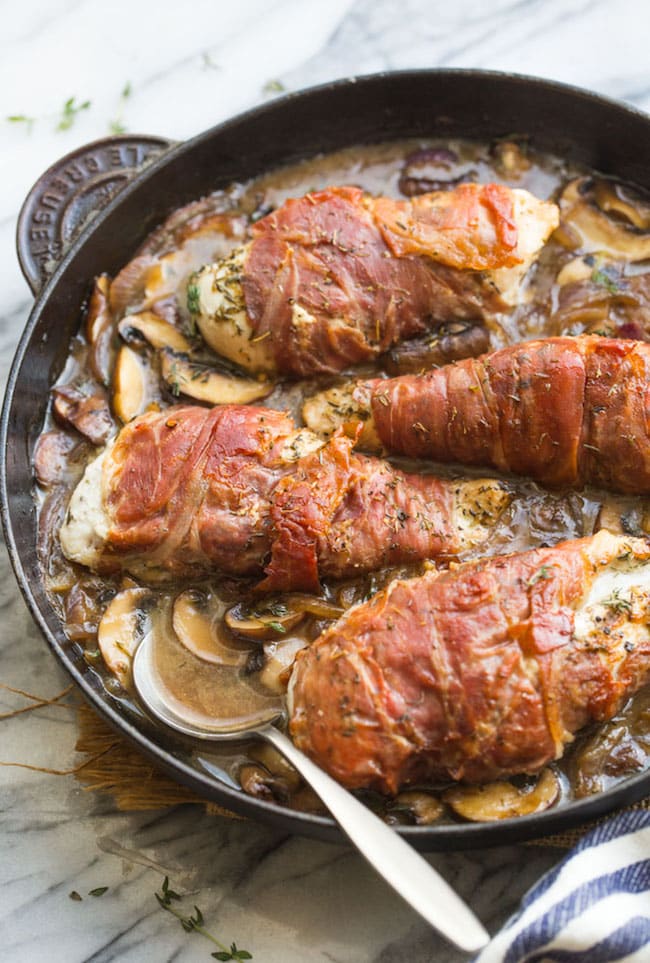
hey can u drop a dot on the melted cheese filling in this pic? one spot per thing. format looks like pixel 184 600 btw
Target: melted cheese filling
pixel 84 532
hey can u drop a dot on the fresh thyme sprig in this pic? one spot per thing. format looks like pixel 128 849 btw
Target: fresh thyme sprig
pixel 69 112
pixel 617 602
pixel 22 119
pixel 116 125
pixel 194 924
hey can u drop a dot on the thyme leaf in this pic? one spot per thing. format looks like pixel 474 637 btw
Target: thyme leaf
pixel 69 112
pixel 541 574
pixel 273 87
pixel 98 891
pixel 195 924
pixel 193 298
pixel 116 125
pixel 617 603
pixel 604 280
pixel 277 627
pixel 21 119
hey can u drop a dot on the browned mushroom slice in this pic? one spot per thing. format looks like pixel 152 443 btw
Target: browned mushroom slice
pixel 421 806
pixel 596 219
pixel 256 781
pixel 193 236
pixel 624 515
pixel 89 414
pixel 203 383
pixel 279 658
pixel 149 327
pixel 614 198
pixel 131 385
pixel 51 459
pixel 510 158
pixel 271 618
pixel 121 629
pixel 197 622
pixel 99 331
pixel 452 342
pixel 276 764
pixel 503 800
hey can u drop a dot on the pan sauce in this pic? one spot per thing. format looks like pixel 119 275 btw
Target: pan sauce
pixel 536 517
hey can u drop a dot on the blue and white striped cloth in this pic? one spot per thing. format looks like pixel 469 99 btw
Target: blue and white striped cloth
pixel 594 907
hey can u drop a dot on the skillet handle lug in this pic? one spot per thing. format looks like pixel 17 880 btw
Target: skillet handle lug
pixel 72 191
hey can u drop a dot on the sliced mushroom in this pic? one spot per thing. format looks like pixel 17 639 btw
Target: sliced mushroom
pixel 503 800
pixel 422 806
pixel 147 326
pixel 588 226
pixel 624 516
pixel 271 618
pixel 121 629
pixel 191 237
pixel 578 269
pixel 131 385
pixel 51 458
pixel 197 621
pixel 279 659
pixel 81 610
pixel 256 781
pixel 510 159
pixel 433 169
pixel 99 331
pixel 613 198
pixel 89 414
pixel 267 620
pixel 276 764
pixel 203 383
pixel 452 342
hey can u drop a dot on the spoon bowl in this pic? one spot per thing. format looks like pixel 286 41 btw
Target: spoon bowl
pixel 405 870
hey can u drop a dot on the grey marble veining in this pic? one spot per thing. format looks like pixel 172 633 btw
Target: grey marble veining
pixel 287 900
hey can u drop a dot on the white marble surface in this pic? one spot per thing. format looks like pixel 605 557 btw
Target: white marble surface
pixel 189 65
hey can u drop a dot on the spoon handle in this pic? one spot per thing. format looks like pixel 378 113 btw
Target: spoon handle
pixel 394 859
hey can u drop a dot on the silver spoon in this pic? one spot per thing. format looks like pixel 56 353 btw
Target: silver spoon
pixel 398 863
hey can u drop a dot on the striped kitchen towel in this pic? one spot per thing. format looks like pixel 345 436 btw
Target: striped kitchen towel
pixel 594 907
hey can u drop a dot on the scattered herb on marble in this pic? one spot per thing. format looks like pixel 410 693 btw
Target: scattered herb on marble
pixel 194 924
pixel 98 891
pixel 21 119
pixel 69 112
pixel 273 87
pixel 74 895
pixel 117 126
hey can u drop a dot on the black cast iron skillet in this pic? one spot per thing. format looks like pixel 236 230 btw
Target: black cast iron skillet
pixel 61 249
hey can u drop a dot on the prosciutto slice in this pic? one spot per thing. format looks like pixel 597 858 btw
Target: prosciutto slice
pixel 567 412
pixel 336 277
pixel 241 490
pixel 480 672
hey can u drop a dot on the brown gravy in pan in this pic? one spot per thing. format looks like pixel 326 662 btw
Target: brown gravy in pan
pixel 259 668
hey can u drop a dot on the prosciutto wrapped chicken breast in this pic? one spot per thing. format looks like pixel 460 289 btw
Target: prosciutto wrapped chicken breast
pixel 240 490
pixel 336 277
pixel 567 412
pixel 480 672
